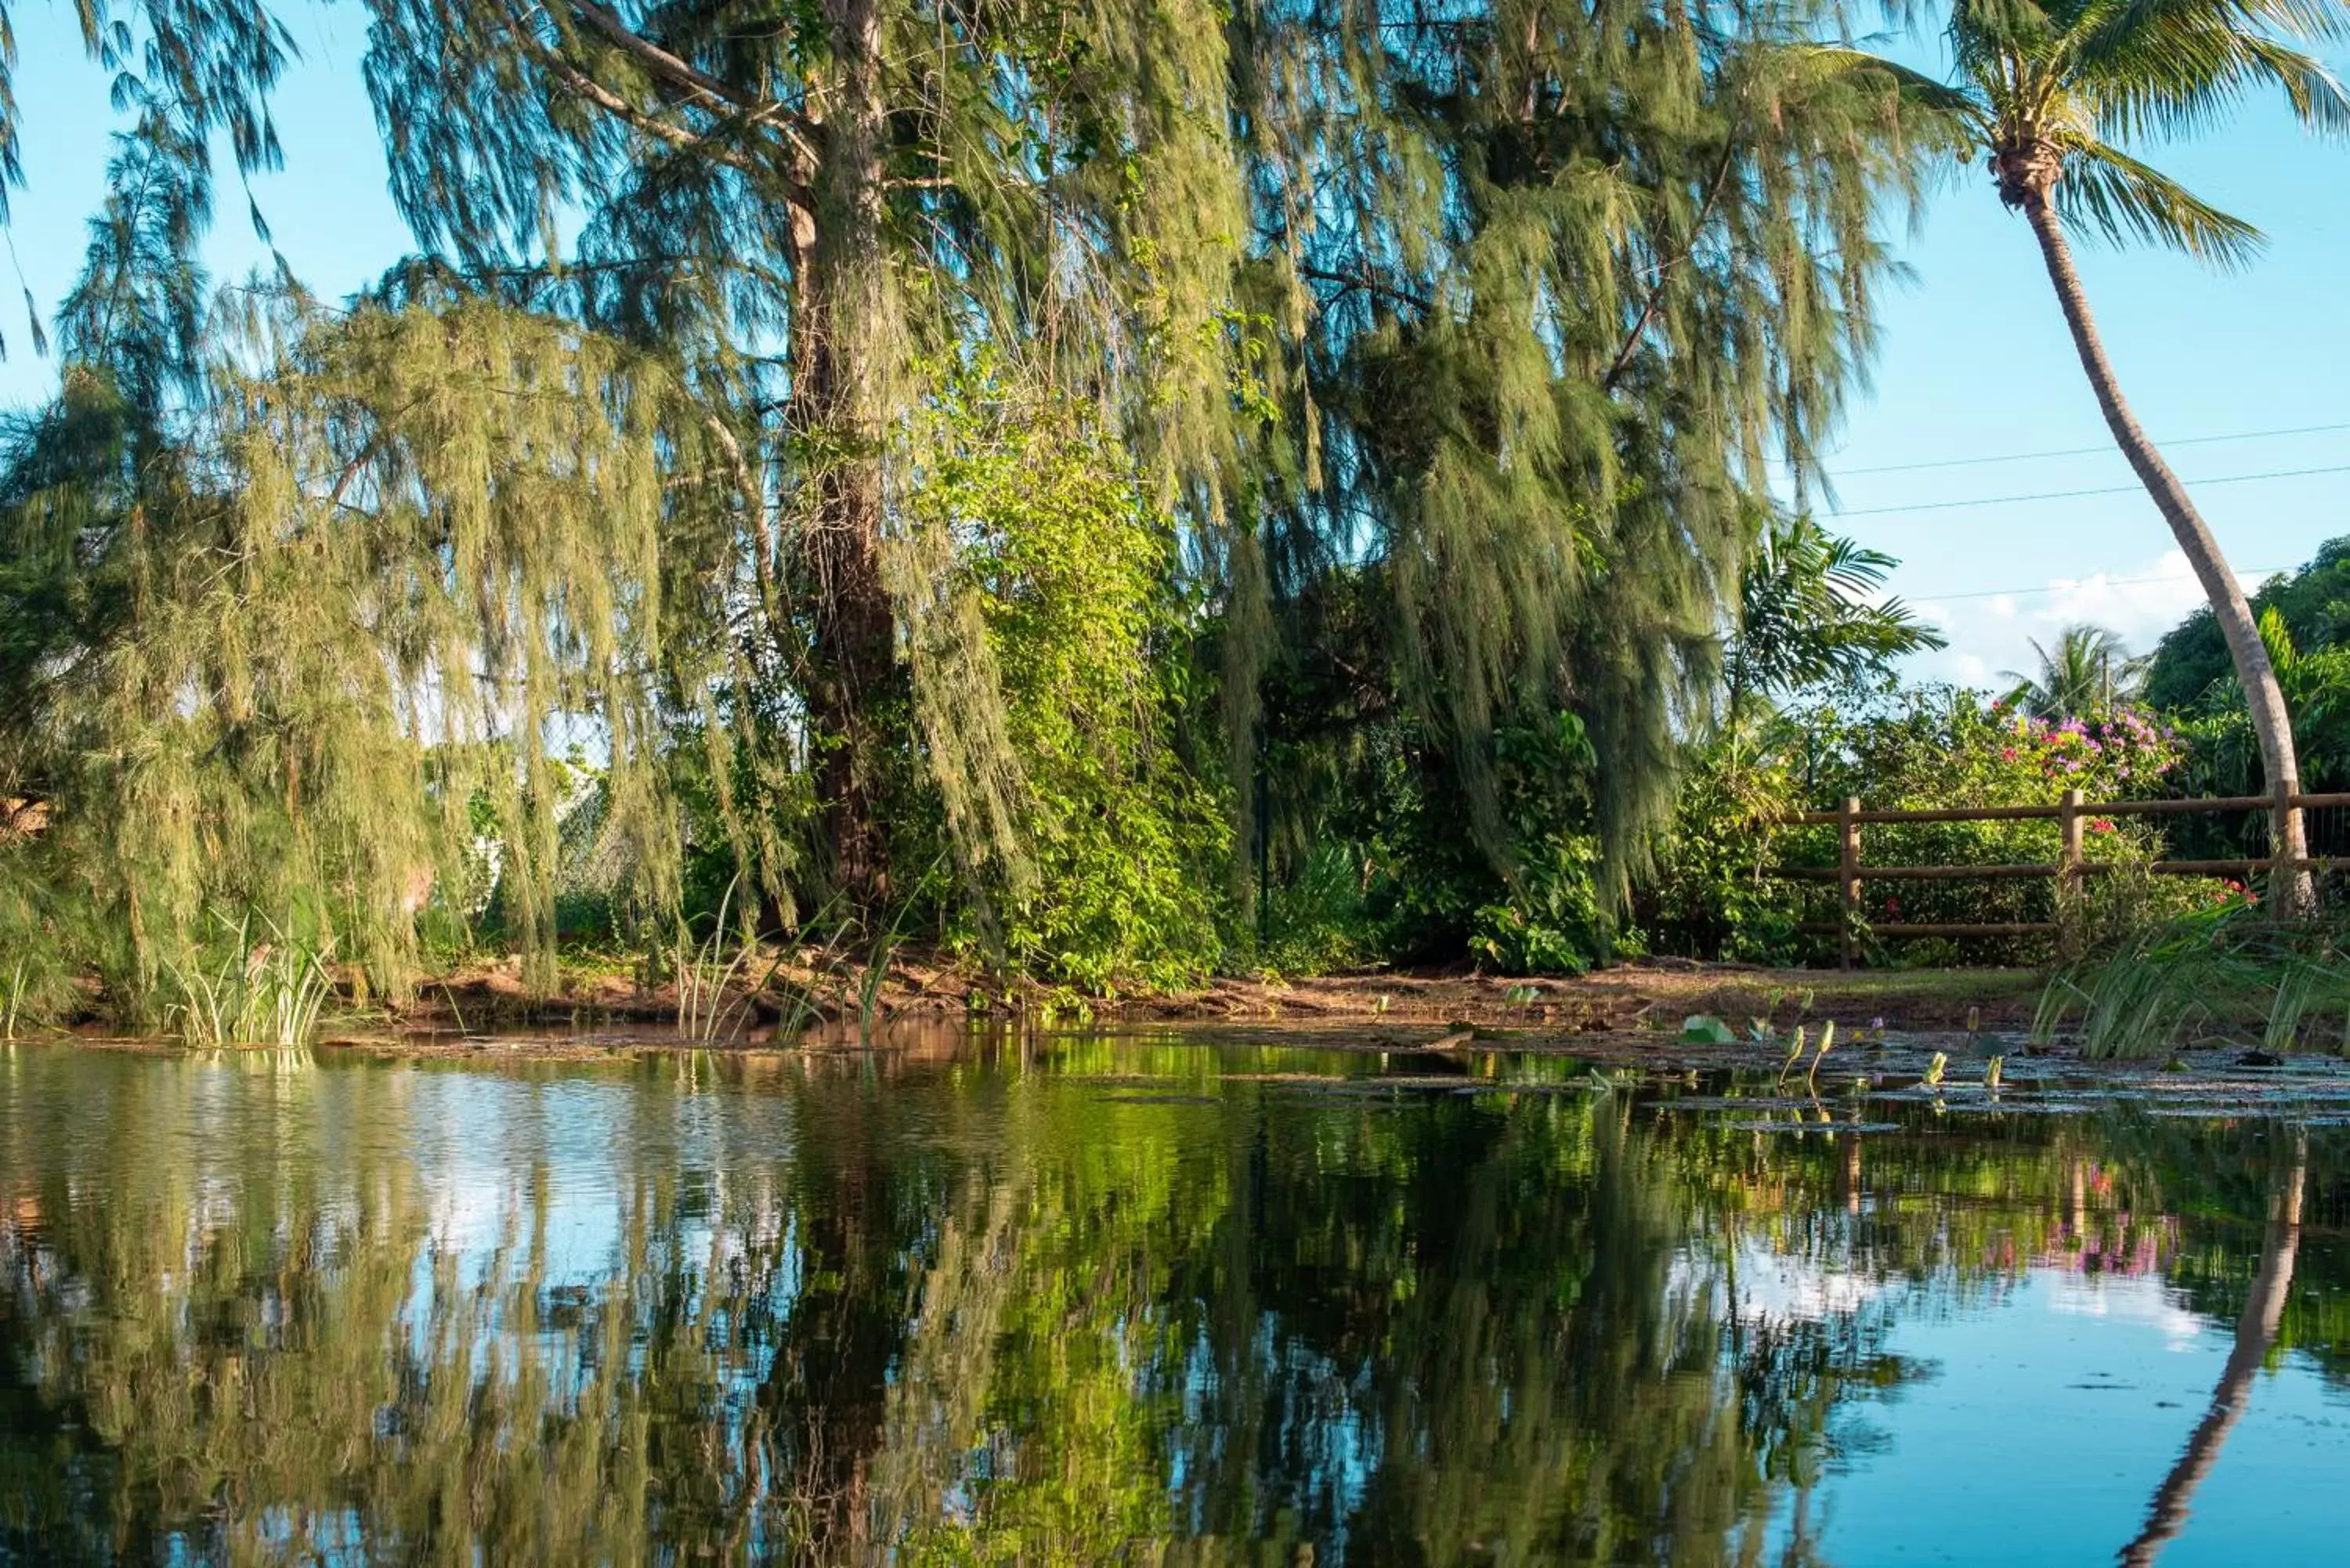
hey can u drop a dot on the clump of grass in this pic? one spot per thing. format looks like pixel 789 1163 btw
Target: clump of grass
pixel 712 1004
pixel 2230 974
pixel 261 985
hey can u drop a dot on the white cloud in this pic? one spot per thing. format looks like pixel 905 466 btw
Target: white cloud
pixel 2138 605
pixel 1992 634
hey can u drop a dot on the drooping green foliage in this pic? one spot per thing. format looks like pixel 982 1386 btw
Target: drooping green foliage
pixel 1549 345
pixel 900 444
pixel 190 75
pixel 400 551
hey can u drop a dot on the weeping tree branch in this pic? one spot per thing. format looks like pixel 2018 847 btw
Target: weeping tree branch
pixel 1368 285
pixel 1656 289
pixel 754 508
pixel 691 79
pixel 587 87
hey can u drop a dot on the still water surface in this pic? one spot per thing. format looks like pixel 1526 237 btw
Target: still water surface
pixel 1084 1301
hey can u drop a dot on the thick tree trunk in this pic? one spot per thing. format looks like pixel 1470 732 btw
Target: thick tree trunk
pixel 2290 892
pixel 838 343
pixel 2256 1332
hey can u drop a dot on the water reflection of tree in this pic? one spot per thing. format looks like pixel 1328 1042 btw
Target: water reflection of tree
pixel 2256 1337
pixel 964 1315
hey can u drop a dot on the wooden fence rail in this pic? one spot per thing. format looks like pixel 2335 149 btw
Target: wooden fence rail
pixel 2071 867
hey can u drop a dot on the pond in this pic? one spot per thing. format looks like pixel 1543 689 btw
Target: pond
pixel 1077 1300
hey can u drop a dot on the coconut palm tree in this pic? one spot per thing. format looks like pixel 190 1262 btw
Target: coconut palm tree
pixel 2087 671
pixel 2050 92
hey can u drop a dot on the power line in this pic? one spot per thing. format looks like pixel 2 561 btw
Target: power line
pixel 2082 450
pixel 2259 572
pixel 2076 495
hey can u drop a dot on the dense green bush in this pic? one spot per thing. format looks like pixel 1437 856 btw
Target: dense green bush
pixel 1904 748
pixel 1117 846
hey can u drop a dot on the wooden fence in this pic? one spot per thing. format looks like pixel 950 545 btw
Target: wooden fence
pixel 2069 868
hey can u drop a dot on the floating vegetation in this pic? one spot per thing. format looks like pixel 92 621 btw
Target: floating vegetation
pixel 1794 1054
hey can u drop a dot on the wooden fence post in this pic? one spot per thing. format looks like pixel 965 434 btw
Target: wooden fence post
pixel 1848 868
pixel 2068 874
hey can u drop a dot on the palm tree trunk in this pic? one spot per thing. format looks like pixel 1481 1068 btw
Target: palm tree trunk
pixel 2290 893
pixel 2256 1334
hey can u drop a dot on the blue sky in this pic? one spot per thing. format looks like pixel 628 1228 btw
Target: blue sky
pixel 1974 361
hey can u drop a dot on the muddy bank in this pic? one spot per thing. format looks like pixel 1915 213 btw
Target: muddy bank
pixel 1638 998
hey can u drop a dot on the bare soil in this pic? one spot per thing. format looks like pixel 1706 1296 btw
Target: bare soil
pixel 1634 998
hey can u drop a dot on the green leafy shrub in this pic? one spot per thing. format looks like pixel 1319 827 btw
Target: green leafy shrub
pixel 1101 877
pixel 1896 748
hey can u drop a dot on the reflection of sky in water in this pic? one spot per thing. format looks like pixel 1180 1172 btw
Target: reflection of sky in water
pixel 2043 1404
pixel 2052 1417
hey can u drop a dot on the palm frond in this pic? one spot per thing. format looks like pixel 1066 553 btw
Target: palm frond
pixel 2114 195
pixel 2170 68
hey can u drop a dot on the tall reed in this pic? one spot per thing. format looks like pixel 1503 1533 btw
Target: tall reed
pixel 265 987
pixel 2230 974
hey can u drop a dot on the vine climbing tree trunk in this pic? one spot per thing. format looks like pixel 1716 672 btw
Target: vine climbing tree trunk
pixel 2028 178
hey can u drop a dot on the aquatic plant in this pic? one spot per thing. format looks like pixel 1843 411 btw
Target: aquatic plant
pixel 1934 1069
pixel 2231 973
pixel 255 987
pixel 1827 1038
pixel 12 995
pixel 1705 1028
pixel 1794 1054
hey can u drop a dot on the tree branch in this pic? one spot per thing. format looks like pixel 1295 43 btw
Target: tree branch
pixel 1657 290
pixel 689 78
pixel 587 87
pixel 755 511
pixel 1370 284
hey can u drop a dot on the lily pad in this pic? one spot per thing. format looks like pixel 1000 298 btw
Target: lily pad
pixel 1705 1028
